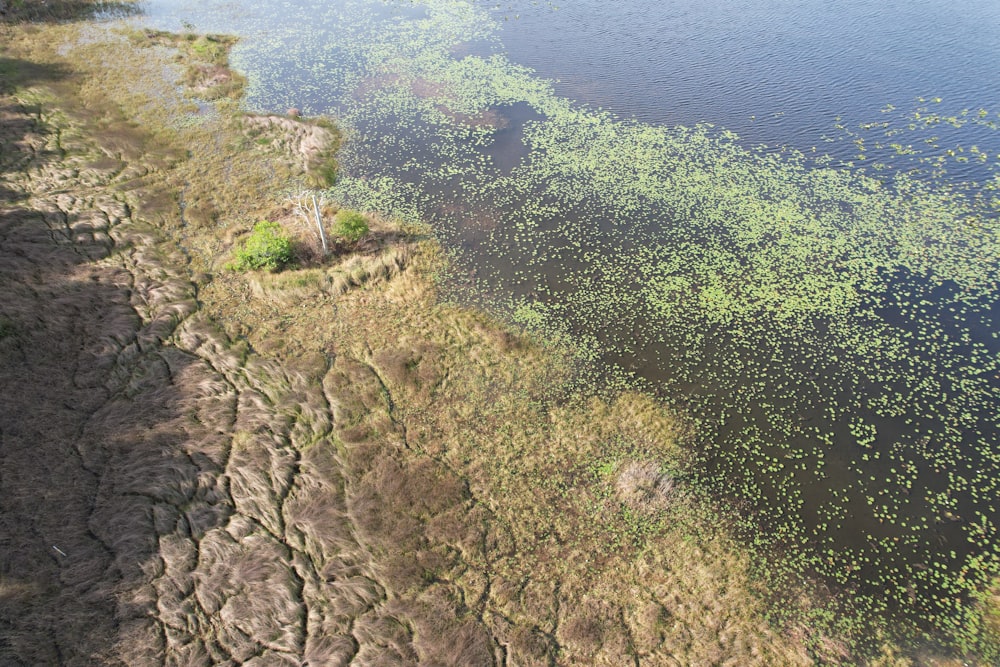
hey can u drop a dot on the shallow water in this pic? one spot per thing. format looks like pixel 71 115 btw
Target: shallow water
pixel 832 325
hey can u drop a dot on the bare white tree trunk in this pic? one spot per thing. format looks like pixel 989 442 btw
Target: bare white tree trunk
pixel 301 207
pixel 319 225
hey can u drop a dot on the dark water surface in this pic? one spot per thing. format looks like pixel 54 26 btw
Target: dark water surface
pixel 835 335
pixel 773 71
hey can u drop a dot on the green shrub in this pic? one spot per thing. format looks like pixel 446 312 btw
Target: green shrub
pixel 349 225
pixel 267 248
pixel 211 49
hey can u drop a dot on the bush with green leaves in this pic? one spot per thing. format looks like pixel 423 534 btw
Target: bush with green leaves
pixel 268 247
pixel 349 225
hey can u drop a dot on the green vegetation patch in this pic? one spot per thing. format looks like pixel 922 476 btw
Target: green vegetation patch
pixel 267 248
pixel 349 226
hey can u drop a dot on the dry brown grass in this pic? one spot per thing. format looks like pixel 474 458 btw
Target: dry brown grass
pixel 643 486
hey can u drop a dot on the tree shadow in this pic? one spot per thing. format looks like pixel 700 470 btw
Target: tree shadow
pixel 23 134
pixel 16 72
pixel 58 11
pixel 97 444
pixel 92 435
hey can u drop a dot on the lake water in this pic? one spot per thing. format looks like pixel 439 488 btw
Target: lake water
pixel 814 276
pixel 773 71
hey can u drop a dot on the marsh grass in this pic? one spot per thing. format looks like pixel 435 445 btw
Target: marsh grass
pixel 204 58
pixel 476 485
pixel 643 486
pixel 311 143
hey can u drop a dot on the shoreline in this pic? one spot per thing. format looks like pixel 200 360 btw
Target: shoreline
pixel 365 457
